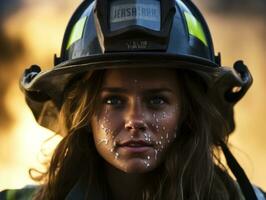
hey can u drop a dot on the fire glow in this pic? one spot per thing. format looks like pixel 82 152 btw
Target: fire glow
pixel 40 25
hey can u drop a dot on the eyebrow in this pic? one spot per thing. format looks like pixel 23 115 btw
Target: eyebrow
pixel 124 90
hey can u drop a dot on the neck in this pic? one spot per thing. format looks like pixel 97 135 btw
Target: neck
pixel 123 185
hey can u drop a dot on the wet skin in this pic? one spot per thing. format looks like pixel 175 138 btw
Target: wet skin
pixel 137 118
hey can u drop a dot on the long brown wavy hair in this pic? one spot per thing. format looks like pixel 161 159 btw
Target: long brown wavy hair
pixel 191 170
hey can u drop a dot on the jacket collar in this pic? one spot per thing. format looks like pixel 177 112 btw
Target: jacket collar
pixel 81 192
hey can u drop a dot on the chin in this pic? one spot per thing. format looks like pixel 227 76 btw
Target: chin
pixel 141 166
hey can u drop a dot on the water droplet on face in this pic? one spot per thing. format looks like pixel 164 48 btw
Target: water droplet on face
pixel 157 127
pixel 167 135
pixel 132 136
pixel 164 115
pixel 107 131
pixel 154 115
pixel 105 140
pixel 157 142
pixel 164 128
pixel 114 143
pixel 162 137
pixel 148 157
pixel 147 164
pixel 146 137
pixel 157 120
pixel 116 155
pixel 112 150
pixel 104 120
pixel 155 154
pixel 160 142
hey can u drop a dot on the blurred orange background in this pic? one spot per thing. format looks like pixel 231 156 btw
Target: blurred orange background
pixel 31 31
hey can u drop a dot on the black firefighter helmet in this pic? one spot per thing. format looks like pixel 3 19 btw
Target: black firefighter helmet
pixel 105 34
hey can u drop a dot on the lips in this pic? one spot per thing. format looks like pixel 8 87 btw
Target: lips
pixel 135 143
pixel 135 147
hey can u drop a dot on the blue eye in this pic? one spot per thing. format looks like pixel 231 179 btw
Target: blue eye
pixel 115 101
pixel 157 101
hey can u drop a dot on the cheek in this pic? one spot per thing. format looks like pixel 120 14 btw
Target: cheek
pixel 105 123
pixel 166 122
pixel 165 125
pixel 105 127
pixel 109 123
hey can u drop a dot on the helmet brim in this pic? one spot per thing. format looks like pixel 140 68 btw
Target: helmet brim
pixel 62 73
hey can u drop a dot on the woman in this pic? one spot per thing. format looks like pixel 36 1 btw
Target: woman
pixel 144 106
pixel 139 134
pixel 142 130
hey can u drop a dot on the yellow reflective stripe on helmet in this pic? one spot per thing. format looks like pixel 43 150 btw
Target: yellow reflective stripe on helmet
pixel 11 195
pixel 76 32
pixel 195 28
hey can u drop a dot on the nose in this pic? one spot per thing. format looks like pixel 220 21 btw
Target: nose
pixel 135 118
pixel 135 125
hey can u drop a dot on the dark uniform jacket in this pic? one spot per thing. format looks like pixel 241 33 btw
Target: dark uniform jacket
pixel 78 193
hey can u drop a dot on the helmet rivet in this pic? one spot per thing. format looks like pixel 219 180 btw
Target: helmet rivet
pixel 236 89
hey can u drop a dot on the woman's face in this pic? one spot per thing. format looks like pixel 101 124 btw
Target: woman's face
pixel 137 117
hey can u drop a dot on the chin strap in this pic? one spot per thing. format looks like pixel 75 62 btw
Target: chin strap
pixel 242 179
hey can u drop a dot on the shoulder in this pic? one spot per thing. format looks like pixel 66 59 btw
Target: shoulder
pixel 233 188
pixel 25 193
pixel 260 194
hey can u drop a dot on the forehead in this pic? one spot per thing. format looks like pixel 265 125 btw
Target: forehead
pixel 147 77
